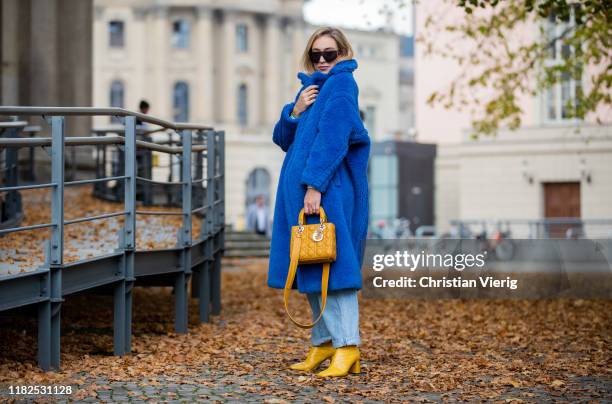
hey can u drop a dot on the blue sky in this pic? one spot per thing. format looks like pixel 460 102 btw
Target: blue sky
pixel 362 14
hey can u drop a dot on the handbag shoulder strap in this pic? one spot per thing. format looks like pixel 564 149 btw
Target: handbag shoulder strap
pixel 295 253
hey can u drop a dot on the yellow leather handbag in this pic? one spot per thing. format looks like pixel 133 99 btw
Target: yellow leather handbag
pixel 311 244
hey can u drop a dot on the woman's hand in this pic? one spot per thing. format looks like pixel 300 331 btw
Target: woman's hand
pixel 312 201
pixel 307 97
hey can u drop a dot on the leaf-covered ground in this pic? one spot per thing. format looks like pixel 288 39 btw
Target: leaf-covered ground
pixel 417 350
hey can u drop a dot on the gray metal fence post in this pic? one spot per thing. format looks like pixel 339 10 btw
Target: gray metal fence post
pixel 130 224
pixel 204 287
pixel 222 192
pixel 210 182
pixel 123 289
pixel 210 214
pixel 203 278
pixel 197 200
pixel 182 278
pixel 49 312
pixel 217 223
pixel 44 326
pixel 119 313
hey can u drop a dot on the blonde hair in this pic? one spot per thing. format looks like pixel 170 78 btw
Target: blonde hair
pixel 345 50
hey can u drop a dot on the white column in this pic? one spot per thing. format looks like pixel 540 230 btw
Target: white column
pixel 272 54
pixel 203 96
pixel 161 104
pixel 100 56
pixel 228 110
pixel 43 53
pixel 138 55
pixel 254 78
pixel 299 44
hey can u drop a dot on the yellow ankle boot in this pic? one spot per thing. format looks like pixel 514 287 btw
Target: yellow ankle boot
pixel 345 360
pixel 316 355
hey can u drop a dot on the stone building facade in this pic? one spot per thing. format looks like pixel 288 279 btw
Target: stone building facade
pixel 232 65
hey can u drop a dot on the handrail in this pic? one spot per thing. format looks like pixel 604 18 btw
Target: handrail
pixel 91 111
pixel 118 128
pixel 102 216
pixel 32 186
pixel 71 141
pixel 160 182
pixel 13 124
pixel 92 140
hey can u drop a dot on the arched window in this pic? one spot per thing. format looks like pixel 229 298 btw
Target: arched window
pixel 242 105
pixel 116 97
pixel 181 101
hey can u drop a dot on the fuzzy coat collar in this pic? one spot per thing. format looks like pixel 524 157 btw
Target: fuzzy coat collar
pixel 318 77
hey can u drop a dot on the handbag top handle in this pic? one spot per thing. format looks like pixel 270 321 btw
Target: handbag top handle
pixel 322 216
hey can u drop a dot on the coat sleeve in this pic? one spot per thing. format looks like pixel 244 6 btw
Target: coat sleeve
pixel 284 130
pixel 331 142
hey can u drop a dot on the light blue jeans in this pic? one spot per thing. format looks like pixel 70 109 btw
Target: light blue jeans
pixel 340 321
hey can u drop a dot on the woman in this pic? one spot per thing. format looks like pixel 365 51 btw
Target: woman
pixel 327 150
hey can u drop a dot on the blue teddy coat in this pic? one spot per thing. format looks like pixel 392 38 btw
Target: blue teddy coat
pixel 328 148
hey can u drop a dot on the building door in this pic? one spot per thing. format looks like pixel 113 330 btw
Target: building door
pixel 258 183
pixel 416 183
pixel 562 200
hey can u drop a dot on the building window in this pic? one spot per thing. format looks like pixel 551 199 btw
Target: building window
pixel 241 38
pixel 242 105
pixel 561 97
pixel 181 102
pixel 384 187
pixel 370 120
pixel 115 34
pixel 366 51
pixel 116 98
pixel 180 34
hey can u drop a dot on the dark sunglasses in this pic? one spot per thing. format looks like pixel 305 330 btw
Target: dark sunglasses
pixel 329 56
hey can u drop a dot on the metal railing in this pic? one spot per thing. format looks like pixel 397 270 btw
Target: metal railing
pixel 197 259
pixel 109 162
pixel 559 227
